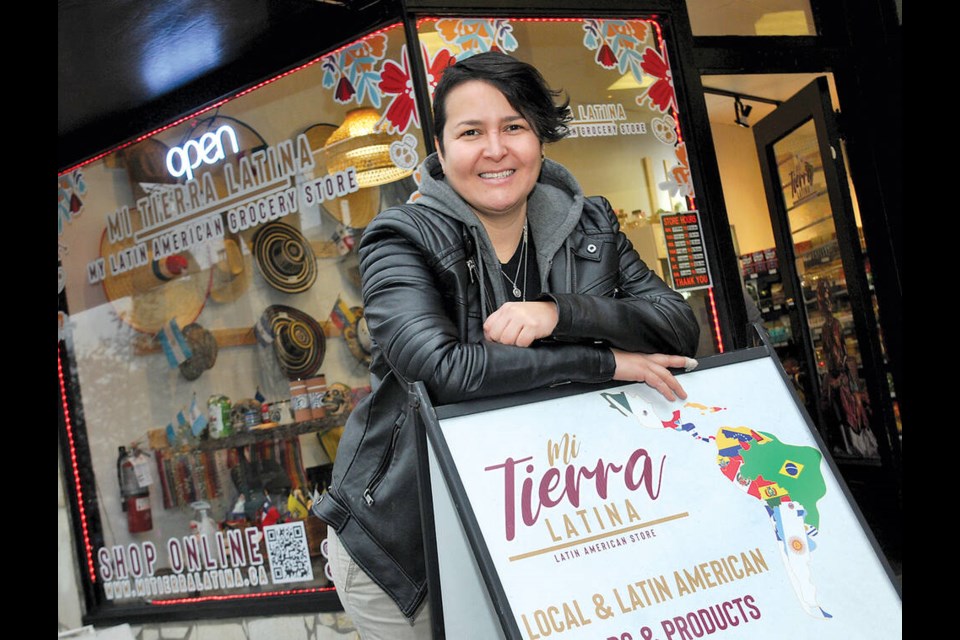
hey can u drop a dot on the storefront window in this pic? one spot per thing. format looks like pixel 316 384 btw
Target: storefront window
pixel 211 331
pixel 626 141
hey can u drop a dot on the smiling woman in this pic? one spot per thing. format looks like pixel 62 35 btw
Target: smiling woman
pixel 491 156
pixel 501 277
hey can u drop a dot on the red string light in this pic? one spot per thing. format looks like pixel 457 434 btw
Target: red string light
pixel 242 596
pixel 75 469
pixel 716 321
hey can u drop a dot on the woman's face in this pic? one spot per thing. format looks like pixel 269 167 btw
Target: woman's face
pixel 491 155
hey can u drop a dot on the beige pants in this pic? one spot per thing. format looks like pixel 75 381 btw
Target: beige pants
pixel 373 612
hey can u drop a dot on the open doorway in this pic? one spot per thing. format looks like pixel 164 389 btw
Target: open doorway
pixel 734 104
pixel 805 265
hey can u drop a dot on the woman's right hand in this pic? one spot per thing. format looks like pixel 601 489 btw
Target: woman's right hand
pixel 652 369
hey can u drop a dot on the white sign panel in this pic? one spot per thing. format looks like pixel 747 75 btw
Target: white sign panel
pixel 616 515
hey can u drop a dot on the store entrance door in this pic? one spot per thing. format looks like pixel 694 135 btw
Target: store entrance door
pixel 826 278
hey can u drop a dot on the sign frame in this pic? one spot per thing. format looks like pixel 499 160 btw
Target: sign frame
pixel 437 474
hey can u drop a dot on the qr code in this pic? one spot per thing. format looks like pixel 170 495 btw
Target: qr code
pixel 288 552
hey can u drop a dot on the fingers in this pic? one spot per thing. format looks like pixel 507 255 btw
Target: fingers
pixel 508 331
pixel 520 323
pixel 652 369
pixel 674 362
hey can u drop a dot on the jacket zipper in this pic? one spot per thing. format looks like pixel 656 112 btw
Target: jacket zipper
pixel 384 463
pixel 472 267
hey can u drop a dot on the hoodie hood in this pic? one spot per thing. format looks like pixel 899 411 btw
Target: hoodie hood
pixel 553 210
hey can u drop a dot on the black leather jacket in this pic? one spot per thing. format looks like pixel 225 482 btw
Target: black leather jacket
pixel 424 304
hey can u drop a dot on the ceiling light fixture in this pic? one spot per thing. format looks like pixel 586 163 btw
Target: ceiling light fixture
pixel 741 112
pixel 361 143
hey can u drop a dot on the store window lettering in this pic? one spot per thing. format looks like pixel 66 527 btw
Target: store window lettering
pixel 597 120
pixel 227 559
pixel 330 186
pixel 801 178
pixel 261 210
pixel 263 169
pixel 196 206
pixel 594 112
pixel 269 165
pixel 207 149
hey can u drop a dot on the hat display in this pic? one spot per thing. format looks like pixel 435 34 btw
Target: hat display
pixel 285 258
pixel 203 349
pixel 297 338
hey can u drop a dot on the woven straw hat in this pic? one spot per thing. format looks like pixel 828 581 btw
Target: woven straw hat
pixel 145 301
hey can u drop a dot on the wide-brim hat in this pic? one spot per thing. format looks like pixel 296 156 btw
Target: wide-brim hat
pixel 354 210
pixel 285 257
pixel 298 340
pixel 231 274
pixel 145 301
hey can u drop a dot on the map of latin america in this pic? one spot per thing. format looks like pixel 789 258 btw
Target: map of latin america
pixel 784 478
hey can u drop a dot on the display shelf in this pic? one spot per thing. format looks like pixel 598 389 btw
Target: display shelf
pixel 820 248
pixel 278 432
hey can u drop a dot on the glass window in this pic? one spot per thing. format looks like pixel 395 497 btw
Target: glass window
pixel 626 140
pixel 211 328
pixel 748 18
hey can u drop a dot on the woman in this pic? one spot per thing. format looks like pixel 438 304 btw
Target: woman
pixel 501 277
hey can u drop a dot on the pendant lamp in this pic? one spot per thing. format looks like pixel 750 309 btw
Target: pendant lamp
pixel 360 143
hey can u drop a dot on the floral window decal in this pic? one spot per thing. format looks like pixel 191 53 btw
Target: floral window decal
pixel 352 71
pixel 477 36
pixel 71 186
pixel 660 93
pixel 678 178
pixel 435 67
pixel 617 43
pixel 395 80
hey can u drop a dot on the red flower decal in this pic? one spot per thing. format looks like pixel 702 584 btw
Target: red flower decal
pixel 436 67
pixel 606 58
pixel 396 80
pixel 661 92
pixel 344 91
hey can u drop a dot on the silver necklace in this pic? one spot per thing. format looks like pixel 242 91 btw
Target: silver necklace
pixel 521 264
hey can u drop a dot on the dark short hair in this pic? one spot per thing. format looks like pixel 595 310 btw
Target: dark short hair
pixel 520 83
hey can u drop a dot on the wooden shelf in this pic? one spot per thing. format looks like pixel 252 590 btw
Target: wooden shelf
pixel 279 432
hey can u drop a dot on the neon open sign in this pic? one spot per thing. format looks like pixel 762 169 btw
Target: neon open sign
pixel 207 149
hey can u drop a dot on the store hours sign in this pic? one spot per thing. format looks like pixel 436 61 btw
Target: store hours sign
pixel 614 514
pixel 686 252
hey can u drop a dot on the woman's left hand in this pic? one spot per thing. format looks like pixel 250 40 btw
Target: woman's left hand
pixel 520 323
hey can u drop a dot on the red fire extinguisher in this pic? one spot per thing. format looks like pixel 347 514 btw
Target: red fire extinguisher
pixel 136 498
